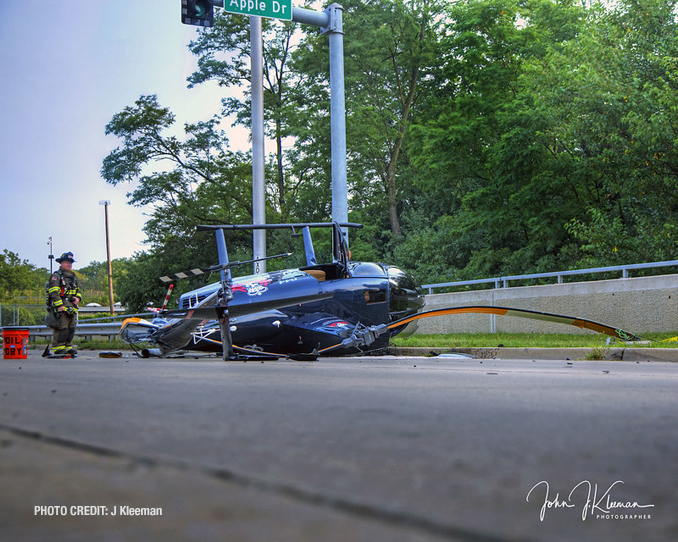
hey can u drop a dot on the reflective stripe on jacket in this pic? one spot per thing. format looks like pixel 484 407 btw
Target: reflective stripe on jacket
pixel 62 287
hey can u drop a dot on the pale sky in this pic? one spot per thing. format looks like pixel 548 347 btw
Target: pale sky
pixel 67 66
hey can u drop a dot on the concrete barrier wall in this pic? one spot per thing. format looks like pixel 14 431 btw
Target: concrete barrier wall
pixel 636 305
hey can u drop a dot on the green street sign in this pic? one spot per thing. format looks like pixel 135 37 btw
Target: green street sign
pixel 274 9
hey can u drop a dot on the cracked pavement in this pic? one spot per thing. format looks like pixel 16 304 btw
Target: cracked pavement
pixel 373 448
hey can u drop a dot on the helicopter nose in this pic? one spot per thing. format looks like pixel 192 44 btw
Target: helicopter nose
pixel 405 296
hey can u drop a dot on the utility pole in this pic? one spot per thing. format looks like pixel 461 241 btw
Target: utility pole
pixel 106 203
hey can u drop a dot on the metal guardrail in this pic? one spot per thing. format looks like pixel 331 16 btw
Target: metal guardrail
pixel 559 274
pixel 84 323
pixel 101 327
pixel 118 317
pixel 87 330
pixel 12 314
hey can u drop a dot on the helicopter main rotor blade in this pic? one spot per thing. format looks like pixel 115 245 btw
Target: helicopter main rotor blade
pixel 581 323
pixel 366 335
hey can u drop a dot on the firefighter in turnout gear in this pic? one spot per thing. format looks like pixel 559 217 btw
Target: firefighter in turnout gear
pixel 63 298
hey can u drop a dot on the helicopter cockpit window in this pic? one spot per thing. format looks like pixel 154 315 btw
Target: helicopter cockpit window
pixel 317 274
pixel 375 296
pixel 327 271
pixel 366 269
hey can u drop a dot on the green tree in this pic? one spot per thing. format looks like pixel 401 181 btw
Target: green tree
pixel 93 280
pixel 551 143
pixel 484 137
pixel 608 95
pixel 19 277
pixel 193 181
pixel 140 285
pixel 485 191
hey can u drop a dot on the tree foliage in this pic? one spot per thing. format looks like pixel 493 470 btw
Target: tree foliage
pixel 19 277
pixel 553 139
pixel 484 137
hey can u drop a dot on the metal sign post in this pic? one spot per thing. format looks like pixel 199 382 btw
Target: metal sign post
pixel 258 152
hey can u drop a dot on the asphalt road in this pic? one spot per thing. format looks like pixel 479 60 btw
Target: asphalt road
pixel 416 449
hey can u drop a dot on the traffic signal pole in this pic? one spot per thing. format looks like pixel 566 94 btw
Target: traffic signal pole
pixel 337 116
pixel 330 22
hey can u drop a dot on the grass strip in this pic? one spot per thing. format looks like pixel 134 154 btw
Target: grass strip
pixel 529 340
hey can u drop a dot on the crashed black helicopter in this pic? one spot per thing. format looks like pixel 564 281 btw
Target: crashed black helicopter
pixel 301 312
pixel 342 307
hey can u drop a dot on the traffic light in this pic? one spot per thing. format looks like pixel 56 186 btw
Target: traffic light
pixel 197 12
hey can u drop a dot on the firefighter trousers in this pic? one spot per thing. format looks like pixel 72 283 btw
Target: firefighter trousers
pixel 62 337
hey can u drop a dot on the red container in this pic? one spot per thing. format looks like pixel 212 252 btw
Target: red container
pixel 15 341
